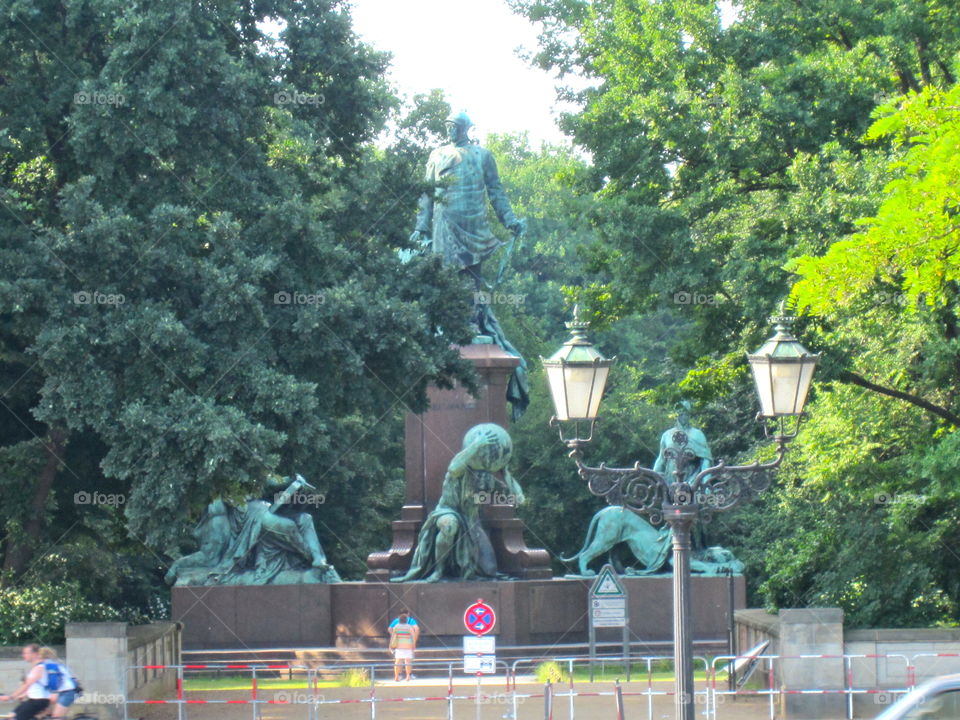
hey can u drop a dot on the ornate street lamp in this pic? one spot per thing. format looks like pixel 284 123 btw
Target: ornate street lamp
pixel 782 370
pixel 577 373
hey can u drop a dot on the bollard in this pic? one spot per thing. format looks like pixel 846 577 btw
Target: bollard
pixel 373 692
pixel 477 696
pixel 848 687
pixel 772 685
pixel 711 710
pixel 548 701
pixel 253 691
pixel 450 692
pixel 179 692
pixel 570 670
pixel 649 688
pixel 620 715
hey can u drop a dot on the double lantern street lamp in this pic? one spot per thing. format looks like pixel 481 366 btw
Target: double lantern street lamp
pixel 577 374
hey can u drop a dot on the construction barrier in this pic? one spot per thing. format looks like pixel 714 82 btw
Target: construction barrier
pixel 712 693
pixel 773 693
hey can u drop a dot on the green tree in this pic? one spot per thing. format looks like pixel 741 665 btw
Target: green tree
pixel 715 146
pixel 199 284
pixel 911 241
pixel 879 451
pixel 723 151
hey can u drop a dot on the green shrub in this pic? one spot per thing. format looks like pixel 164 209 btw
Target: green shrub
pixel 354 677
pixel 39 612
pixel 551 671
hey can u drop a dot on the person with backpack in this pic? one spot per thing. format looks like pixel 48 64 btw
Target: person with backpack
pixel 403 641
pixel 410 620
pixel 33 691
pixel 61 683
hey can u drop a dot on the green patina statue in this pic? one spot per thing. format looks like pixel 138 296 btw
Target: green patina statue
pixel 715 560
pixel 453 222
pixel 269 541
pixel 683 447
pixel 650 546
pixel 454 218
pixel 616 524
pixel 684 452
pixel 453 543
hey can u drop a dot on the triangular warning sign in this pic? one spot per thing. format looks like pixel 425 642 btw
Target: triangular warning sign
pixel 607 584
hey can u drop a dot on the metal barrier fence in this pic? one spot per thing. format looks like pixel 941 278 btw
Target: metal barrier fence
pixel 712 694
pixel 313 700
pixel 773 693
pixel 649 693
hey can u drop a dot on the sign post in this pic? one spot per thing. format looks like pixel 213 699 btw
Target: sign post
pixel 607 601
pixel 479 652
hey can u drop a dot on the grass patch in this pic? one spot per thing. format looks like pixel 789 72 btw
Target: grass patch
pixel 351 677
pixel 230 683
pixel 608 672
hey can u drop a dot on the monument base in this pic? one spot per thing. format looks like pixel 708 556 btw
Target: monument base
pixel 356 614
pixel 431 440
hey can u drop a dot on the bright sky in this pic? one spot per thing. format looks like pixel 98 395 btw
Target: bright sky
pixel 467 48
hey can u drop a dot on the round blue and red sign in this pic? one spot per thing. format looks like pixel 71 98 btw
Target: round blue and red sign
pixel 479 618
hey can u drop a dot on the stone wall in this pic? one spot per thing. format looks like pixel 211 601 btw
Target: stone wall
pixel 356 614
pixel 102 656
pixel 885 660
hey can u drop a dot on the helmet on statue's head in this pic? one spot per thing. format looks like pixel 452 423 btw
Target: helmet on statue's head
pixel 461 120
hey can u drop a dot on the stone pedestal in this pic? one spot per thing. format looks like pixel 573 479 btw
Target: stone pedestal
pixel 356 614
pixel 432 439
pixel 97 653
pixel 812 632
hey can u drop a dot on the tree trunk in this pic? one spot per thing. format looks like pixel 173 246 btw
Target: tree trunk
pixel 20 552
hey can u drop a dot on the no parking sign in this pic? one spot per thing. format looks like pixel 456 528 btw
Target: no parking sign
pixel 479 652
pixel 479 618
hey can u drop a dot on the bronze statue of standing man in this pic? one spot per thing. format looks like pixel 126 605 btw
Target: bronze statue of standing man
pixel 453 221
pixel 454 217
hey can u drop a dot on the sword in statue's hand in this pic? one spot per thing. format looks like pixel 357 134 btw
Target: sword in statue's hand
pixel 285 497
pixel 519 228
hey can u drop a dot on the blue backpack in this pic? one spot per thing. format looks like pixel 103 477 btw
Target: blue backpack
pixel 54 676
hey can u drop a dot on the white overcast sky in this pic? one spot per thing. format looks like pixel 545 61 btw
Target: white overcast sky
pixel 467 48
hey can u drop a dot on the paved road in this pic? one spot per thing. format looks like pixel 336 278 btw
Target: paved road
pixel 496 704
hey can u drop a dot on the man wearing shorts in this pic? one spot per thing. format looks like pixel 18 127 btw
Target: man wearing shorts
pixel 33 690
pixel 403 640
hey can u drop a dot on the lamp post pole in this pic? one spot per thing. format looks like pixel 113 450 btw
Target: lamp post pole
pixel 577 373
pixel 680 518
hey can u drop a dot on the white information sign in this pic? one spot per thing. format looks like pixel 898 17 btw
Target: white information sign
pixel 485 664
pixel 608 600
pixel 479 654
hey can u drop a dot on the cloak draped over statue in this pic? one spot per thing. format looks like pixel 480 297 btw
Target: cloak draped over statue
pixel 455 216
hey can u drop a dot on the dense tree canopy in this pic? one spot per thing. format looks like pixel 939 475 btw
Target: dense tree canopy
pixel 199 279
pixel 205 279
pixel 728 155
